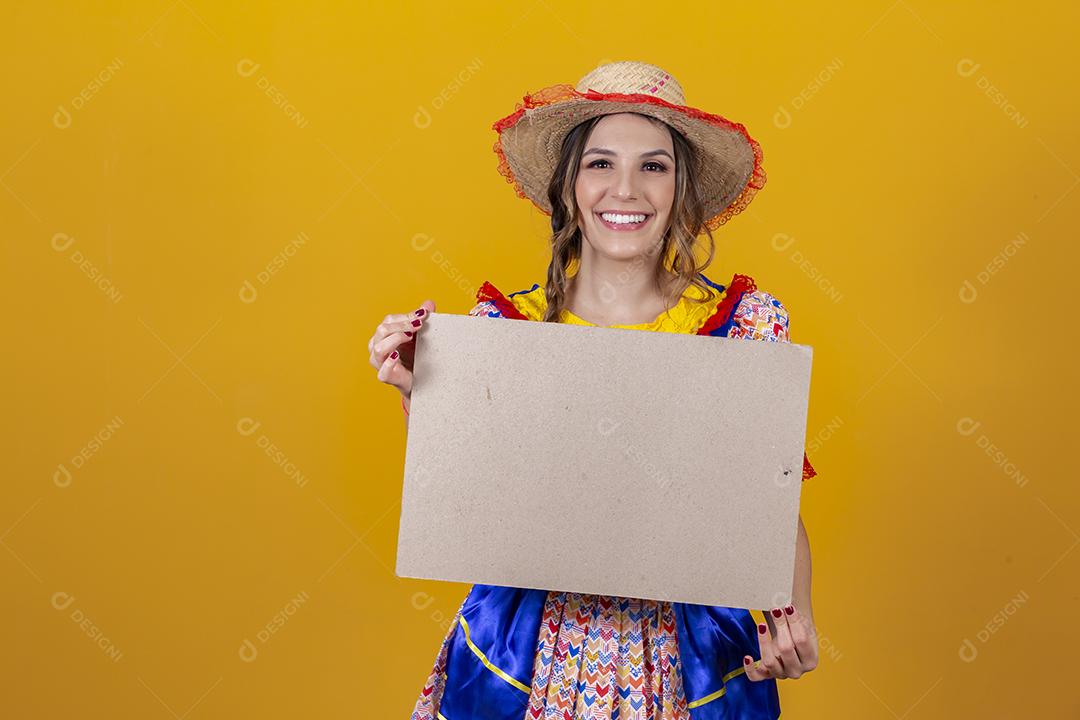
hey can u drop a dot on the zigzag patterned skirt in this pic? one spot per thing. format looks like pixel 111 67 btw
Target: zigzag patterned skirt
pixel 519 654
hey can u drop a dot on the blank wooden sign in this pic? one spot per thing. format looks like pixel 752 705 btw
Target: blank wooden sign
pixel 604 460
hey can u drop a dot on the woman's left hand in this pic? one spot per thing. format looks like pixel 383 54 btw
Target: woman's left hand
pixel 791 651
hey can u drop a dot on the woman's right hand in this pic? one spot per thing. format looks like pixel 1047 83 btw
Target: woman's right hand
pixel 393 344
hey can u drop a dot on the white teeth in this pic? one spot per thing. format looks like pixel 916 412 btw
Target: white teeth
pixel 622 219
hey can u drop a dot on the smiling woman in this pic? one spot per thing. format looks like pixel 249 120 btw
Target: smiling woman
pixel 634 202
pixel 630 176
pixel 622 218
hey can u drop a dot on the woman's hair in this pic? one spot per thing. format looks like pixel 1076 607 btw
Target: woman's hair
pixel 675 251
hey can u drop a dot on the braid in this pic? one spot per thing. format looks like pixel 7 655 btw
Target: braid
pixel 566 248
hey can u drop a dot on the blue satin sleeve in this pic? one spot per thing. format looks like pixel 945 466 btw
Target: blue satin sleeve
pixel 489 661
pixel 712 643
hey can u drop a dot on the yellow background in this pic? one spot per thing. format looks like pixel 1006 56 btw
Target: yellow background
pixel 253 466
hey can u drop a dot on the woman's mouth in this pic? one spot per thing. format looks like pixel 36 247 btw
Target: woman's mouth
pixel 623 222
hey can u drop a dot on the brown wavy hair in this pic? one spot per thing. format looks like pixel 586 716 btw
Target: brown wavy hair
pixel 674 252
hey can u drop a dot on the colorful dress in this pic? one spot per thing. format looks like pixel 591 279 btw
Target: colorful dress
pixel 525 654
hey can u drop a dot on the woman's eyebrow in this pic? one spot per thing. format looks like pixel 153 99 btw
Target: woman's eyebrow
pixel 605 151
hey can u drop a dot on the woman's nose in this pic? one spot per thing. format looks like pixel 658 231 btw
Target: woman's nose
pixel 626 186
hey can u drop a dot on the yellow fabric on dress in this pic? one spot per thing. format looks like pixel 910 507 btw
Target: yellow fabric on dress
pixel 686 316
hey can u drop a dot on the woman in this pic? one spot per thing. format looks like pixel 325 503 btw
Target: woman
pixel 630 176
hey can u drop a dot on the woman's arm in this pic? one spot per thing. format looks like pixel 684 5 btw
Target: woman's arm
pixel 790 647
pixel 767 319
pixel 800 591
pixel 800 588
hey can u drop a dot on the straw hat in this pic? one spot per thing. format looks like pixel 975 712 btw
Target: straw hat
pixel 531 137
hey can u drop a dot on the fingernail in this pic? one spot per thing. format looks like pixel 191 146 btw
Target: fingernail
pixel 408 334
pixel 393 355
pixel 777 613
pixel 420 312
pixel 416 323
pixel 746 661
pixel 761 628
pixel 789 609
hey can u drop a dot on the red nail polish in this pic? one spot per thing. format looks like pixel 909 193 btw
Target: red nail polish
pixel 777 613
pixel 393 355
pixel 416 323
pixel 762 628
pixel 408 334
pixel 746 661
pixel 420 312
pixel 789 609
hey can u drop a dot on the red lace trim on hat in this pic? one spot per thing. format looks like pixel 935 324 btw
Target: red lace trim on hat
pixel 561 93
pixel 492 294
pixel 808 470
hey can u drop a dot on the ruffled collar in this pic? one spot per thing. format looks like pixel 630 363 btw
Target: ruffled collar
pixel 691 314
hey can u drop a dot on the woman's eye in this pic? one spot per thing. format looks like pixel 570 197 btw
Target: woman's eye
pixel 651 166
pixel 660 167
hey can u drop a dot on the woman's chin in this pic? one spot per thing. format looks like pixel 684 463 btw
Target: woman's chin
pixel 623 249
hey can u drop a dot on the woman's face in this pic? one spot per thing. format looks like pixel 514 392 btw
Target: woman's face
pixel 628 169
